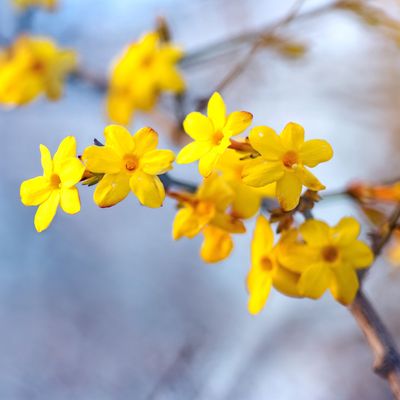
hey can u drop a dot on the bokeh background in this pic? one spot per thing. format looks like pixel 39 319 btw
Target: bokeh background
pixel 104 305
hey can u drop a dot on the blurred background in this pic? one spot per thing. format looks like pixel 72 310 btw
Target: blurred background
pixel 104 305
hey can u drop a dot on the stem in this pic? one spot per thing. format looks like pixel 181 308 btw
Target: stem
pixel 386 357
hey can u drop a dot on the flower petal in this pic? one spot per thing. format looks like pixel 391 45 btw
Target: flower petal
pixel 157 162
pixel 292 136
pixel 247 201
pixel 208 162
pixel 46 211
pixel 66 149
pixel 101 159
pixel 309 180
pixel 263 240
pixel 216 111
pixel 314 152
pixel 69 201
pixel 344 284
pixel 263 173
pixel 217 244
pixel 146 139
pixel 358 254
pixel 119 139
pixel 288 191
pixel 315 232
pixel 148 189
pixel 285 281
pixel 198 126
pixel 228 223
pixel 267 142
pixel 314 281
pixel 193 152
pixel 112 189
pixel 47 163
pixel 237 122
pixel 216 190
pixel 70 172
pixel 346 231
pixel 259 293
pixel 35 191
pixel 187 223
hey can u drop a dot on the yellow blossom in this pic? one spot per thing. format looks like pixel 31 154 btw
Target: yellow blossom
pixel 328 258
pixel 23 4
pixel 283 160
pixel 56 186
pixel 33 66
pixel 206 211
pixel 247 199
pixel 129 163
pixel 147 68
pixel 211 134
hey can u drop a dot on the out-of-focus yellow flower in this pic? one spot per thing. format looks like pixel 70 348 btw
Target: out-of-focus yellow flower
pixel 23 4
pixel 206 211
pixel 328 259
pixel 128 163
pixel 247 199
pixel 56 186
pixel 33 66
pixel 211 134
pixel 283 160
pixel 147 68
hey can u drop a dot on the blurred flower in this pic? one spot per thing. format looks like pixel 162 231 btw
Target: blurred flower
pixel 211 134
pixel 128 163
pixel 32 66
pixel 393 252
pixel 365 192
pixel 23 4
pixel 206 211
pixel 56 186
pixel 283 160
pixel 247 199
pixel 328 258
pixel 147 68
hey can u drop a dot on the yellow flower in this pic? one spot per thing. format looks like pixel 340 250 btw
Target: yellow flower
pixel 211 134
pixel 283 160
pixel 56 186
pixel 247 199
pixel 128 163
pixel 147 68
pixel 32 66
pixel 23 4
pixel 206 211
pixel 328 259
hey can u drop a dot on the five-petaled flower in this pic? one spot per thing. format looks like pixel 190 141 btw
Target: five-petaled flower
pixel 284 159
pixel 206 211
pixel 56 186
pixel 32 66
pixel 128 163
pixel 211 134
pixel 147 68
pixel 328 258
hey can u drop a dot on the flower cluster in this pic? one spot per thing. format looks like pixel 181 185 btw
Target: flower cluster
pixel 146 68
pixel 33 66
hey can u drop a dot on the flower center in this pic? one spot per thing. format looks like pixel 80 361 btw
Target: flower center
pixel 330 253
pixel 204 207
pixel 290 159
pixel 37 66
pixel 218 136
pixel 147 61
pixel 131 163
pixel 55 181
pixel 266 263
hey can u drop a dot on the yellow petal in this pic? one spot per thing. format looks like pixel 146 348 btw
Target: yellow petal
pixel 187 223
pixel 119 139
pixel 66 149
pixel 112 189
pixel 346 231
pixel 217 244
pixel 46 211
pixel 148 189
pixel 47 163
pixel 314 152
pixel 285 281
pixel 259 294
pixel 69 201
pixel 198 126
pixel 193 152
pixel 237 122
pixel 157 162
pixel 314 281
pixel 228 223
pixel 247 201
pixel 266 141
pixel 101 159
pixel 309 180
pixel 358 254
pixel 288 191
pixel 263 240
pixel 292 136
pixel 217 191
pixel 216 111
pixel 344 284
pixel 35 191
pixel 70 172
pixel 120 109
pixel 315 232
pixel 171 79
pixel 146 139
pixel 262 174
pixel 208 162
